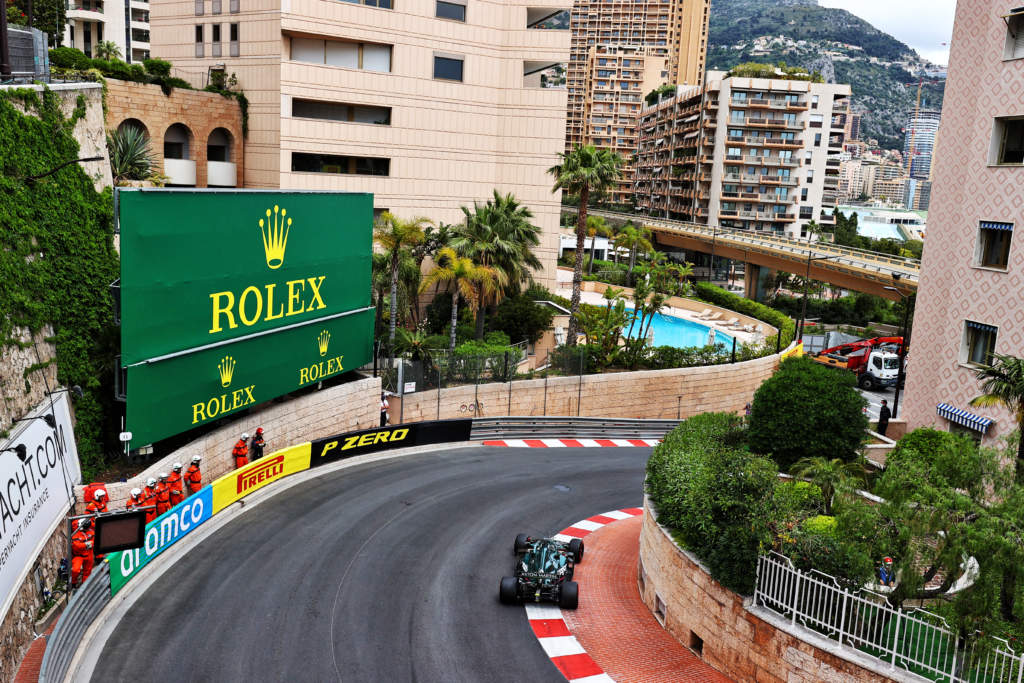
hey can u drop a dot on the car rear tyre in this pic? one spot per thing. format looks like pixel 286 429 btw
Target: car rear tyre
pixel 507 593
pixel 569 595
pixel 576 550
pixel 521 544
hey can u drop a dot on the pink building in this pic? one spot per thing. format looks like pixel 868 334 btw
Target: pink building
pixel 970 301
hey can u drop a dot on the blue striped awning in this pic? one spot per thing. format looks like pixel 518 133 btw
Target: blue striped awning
pixel 981 326
pixel 962 417
pixel 993 225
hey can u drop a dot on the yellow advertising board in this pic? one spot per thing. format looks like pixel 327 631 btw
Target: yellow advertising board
pixel 797 350
pixel 256 475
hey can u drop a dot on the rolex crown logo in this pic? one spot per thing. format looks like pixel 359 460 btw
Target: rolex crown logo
pixel 275 236
pixel 226 368
pixel 322 341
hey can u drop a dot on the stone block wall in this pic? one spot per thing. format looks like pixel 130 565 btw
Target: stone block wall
pixel 744 647
pixel 667 394
pixel 199 111
pixel 24 375
pixel 337 409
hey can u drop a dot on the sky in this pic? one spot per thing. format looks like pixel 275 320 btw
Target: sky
pixel 922 24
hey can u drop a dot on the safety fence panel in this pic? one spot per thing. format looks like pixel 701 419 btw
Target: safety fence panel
pixel 913 640
pixel 84 606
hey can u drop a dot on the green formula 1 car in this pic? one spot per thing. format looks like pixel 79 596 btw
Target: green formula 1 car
pixel 544 569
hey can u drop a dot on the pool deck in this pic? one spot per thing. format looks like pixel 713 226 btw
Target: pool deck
pixel 597 299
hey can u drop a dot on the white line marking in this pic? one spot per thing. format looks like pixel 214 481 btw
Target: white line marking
pixel 622 442
pixel 617 514
pixel 560 646
pixel 563 537
pixel 534 611
pixel 588 443
pixel 588 525
pixel 553 443
pixel 515 443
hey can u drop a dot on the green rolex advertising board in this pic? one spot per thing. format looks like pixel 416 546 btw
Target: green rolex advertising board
pixel 231 298
pixel 201 267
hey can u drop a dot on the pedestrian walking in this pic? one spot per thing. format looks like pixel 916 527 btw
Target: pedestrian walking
pixel 883 417
pixel 163 495
pixel 98 503
pixel 257 444
pixel 81 552
pixel 384 406
pixel 241 451
pixel 174 485
pixel 193 476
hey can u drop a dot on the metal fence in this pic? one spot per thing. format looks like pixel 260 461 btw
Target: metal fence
pixel 912 640
pixel 84 606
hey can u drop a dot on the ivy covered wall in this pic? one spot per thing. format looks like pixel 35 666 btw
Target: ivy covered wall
pixel 57 257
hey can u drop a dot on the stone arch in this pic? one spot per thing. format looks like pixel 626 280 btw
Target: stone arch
pixel 220 145
pixel 134 123
pixel 179 142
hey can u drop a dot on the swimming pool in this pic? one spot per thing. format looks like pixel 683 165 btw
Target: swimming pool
pixel 679 332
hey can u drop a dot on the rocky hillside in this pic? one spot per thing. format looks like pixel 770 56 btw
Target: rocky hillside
pixel 833 42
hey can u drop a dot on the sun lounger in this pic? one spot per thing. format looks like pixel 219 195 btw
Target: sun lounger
pixel 705 312
pixel 727 323
pixel 714 316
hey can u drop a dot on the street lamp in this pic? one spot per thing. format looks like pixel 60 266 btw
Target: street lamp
pixel 19 451
pixel 807 283
pixel 903 347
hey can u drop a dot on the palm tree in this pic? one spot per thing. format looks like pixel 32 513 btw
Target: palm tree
pixel 635 239
pixel 106 50
pixel 830 476
pixel 500 236
pixel 595 226
pixel 583 171
pixel 1003 384
pixel 463 278
pixel 394 234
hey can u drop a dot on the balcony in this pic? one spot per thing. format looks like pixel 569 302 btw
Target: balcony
pixel 180 172
pixel 86 11
pixel 777 217
pixel 219 173
pixel 778 180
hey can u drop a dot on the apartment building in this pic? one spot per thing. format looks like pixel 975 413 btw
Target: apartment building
pixel 123 22
pixel 853 123
pixel 969 304
pixel 621 50
pixel 851 179
pixel 892 191
pixel 749 153
pixel 919 143
pixel 427 104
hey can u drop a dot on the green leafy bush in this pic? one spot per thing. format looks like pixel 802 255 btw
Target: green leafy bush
pixel 795 499
pixel 521 318
pixel 807 410
pixel 157 67
pixel 715 496
pixel 69 58
pixel 822 525
pixel 720 297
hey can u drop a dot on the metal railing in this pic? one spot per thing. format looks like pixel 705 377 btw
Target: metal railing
pixel 916 641
pixel 84 606
pixel 569 427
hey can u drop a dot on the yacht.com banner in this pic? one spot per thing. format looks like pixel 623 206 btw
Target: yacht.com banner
pixel 34 493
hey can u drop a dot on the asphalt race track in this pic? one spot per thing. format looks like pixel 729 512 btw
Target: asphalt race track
pixel 386 572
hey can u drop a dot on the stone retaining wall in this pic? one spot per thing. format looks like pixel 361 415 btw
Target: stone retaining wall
pixel 706 617
pixel 680 392
pixel 341 408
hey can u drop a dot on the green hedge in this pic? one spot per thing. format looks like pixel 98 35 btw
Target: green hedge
pixel 58 259
pixel 720 297
pixel 714 495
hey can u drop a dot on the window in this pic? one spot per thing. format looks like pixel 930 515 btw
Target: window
pixel 199 8
pixel 1008 141
pixel 816 120
pixel 814 101
pixel 340 111
pixel 817 139
pixel 303 162
pixel 810 175
pixel 1014 48
pixel 199 40
pixel 738 115
pixel 383 4
pixel 449 10
pixel 739 97
pixel 233 30
pixel 448 68
pixel 803 194
pixel 215 42
pixel 993 250
pixel 366 56
pixel 216 33
pixel 979 342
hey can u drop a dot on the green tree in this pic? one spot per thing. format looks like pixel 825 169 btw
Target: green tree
pixel 603 326
pixel 636 239
pixel 106 50
pixel 583 171
pixel 596 227
pixel 807 410
pixel 393 234
pixel 830 476
pixel 522 318
pixel 1003 384
pixel 464 278
pixel 647 302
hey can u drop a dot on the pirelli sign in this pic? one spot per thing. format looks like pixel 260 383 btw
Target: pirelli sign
pixel 386 438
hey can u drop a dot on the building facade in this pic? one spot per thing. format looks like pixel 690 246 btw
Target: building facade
pixel 919 144
pixel 969 304
pixel 428 104
pixel 749 153
pixel 122 22
pixel 621 50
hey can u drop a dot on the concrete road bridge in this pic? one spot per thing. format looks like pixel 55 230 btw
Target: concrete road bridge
pixel 855 269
